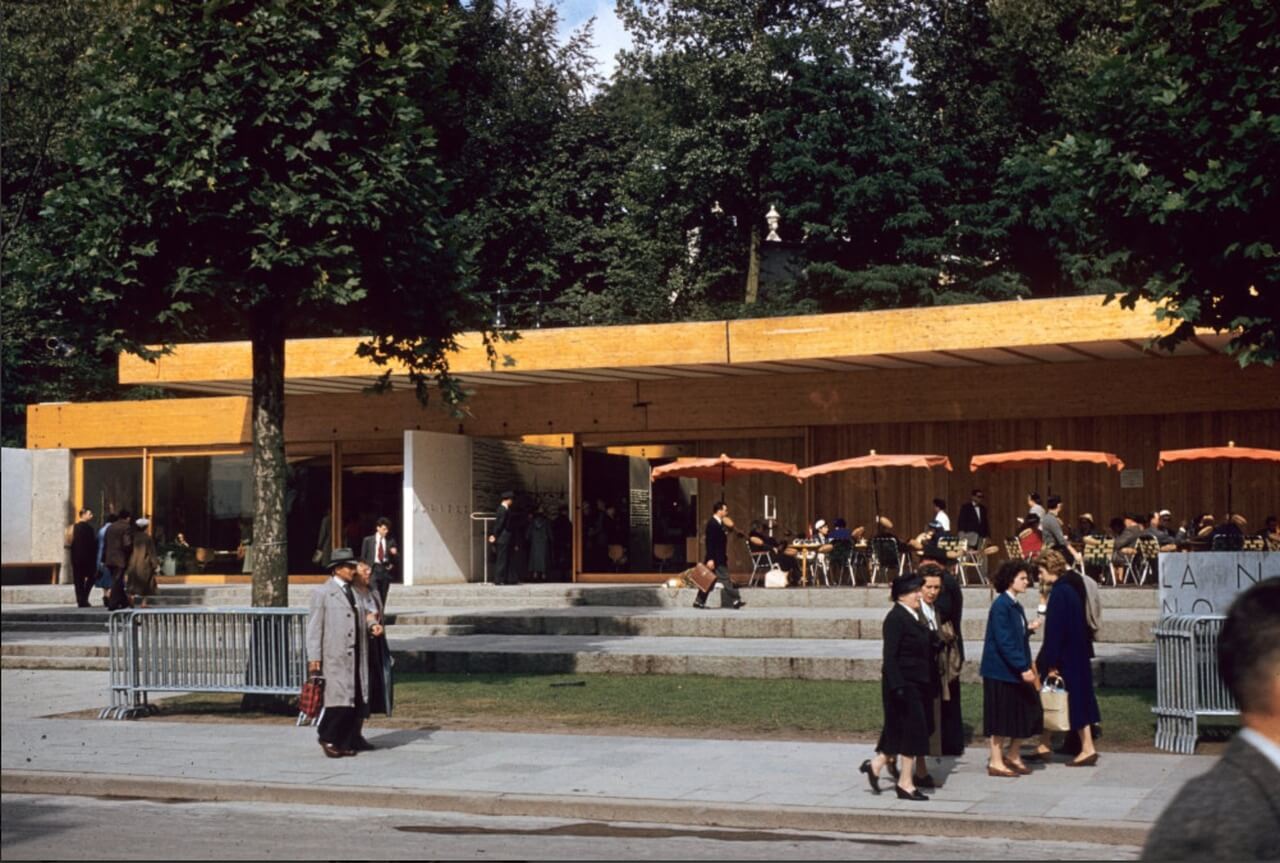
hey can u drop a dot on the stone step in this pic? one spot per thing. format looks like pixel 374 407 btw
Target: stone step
pixel 1123 626
pixel 26 648
pixel 803 659
pixel 407 598
pixel 428 630
pixel 56 663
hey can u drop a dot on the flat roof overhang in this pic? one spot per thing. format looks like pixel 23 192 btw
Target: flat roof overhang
pixel 1030 332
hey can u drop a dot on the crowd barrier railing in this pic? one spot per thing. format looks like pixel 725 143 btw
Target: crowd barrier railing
pixel 1188 685
pixel 235 650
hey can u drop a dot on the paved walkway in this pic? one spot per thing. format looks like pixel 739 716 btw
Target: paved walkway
pixel 710 781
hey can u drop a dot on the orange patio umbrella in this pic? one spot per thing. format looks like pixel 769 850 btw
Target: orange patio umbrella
pixel 1229 453
pixel 1024 458
pixel 875 460
pixel 721 468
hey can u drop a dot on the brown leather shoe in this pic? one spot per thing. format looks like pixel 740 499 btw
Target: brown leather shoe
pixel 331 750
pixel 998 771
pixel 1017 767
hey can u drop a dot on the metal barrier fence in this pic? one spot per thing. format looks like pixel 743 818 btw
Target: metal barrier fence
pixel 242 650
pixel 1188 685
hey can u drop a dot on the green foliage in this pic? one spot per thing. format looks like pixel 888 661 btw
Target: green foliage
pixel 1174 165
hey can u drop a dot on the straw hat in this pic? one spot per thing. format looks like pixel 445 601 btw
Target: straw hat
pixel 884 522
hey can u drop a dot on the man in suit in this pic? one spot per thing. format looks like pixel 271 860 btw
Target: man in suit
pixel 500 536
pixel 84 556
pixel 1051 529
pixel 972 526
pixel 117 545
pixel 1233 811
pixel 337 647
pixel 379 550
pixel 718 558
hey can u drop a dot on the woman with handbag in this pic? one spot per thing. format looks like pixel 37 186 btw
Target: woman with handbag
pixel 909 680
pixel 1010 692
pixel 1065 653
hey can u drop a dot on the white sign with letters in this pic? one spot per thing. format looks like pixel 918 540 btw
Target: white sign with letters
pixel 1205 582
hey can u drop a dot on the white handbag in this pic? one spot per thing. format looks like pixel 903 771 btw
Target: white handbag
pixel 775 578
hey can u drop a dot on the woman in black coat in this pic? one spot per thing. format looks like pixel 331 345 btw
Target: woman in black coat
pixel 908 682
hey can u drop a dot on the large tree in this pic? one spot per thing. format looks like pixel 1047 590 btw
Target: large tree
pixel 1174 169
pixel 263 171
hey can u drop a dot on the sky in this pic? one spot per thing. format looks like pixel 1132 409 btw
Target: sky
pixel 608 35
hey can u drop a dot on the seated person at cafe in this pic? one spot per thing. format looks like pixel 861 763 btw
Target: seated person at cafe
pixel 1229 532
pixel 1156 531
pixel 1131 528
pixel 840 531
pixel 1085 526
pixel 771 544
pixel 1030 539
pixel 1272 533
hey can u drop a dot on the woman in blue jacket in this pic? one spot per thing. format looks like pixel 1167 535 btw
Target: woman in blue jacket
pixel 1066 651
pixel 1010 702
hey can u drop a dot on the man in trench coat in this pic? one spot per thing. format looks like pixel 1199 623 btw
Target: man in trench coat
pixel 337 649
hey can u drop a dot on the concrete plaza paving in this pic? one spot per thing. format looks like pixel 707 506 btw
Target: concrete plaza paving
pixel 708 781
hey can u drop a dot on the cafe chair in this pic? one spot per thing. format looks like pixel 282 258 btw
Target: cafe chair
pixel 1097 554
pixel 823 562
pixel 1144 562
pixel 1254 543
pixel 885 558
pixel 1227 542
pixel 662 553
pixel 1012 548
pixel 761 558
pixel 840 559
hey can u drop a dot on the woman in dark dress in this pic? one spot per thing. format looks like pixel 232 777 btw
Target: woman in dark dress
pixel 908 681
pixel 1066 651
pixel 1010 702
pixel 539 536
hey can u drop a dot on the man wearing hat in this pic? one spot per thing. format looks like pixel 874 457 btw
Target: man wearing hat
pixel 337 644
pixel 500 540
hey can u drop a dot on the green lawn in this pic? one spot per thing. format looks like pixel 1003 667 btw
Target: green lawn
pixel 679 705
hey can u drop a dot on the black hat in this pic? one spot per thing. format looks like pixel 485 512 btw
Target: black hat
pixel 507 495
pixel 341 556
pixel 904 584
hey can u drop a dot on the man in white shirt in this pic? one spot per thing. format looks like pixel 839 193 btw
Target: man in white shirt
pixel 1233 811
pixel 940 514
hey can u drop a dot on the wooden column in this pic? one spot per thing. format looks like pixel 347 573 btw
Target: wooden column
pixel 575 507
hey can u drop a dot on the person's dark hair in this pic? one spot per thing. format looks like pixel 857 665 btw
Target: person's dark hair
pixel 84 511
pixel 1031 520
pixel 904 584
pixel 1007 572
pixel 124 513
pixel 1249 647
pixel 839 522
pixel 929 568
pixel 1034 496
pixel 1054 500
pixel 976 491
pixel 1116 525
pixel 110 517
pixel 940 503
pixel 718 506
pixel 382 522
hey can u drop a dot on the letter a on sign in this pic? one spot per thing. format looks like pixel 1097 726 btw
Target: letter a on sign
pixel 1188 578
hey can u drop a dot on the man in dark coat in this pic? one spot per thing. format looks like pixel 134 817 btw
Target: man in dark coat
pixel 84 556
pixel 500 536
pixel 380 551
pixel 718 559
pixel 117 546
pixel 1233 811
pixel 972 525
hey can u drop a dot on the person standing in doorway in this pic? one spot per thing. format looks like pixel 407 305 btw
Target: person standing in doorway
pixel 500 539
pixel 337 647
pixel 84 556
pixel 380 551
pixel 104 572
pixel 718 558
pixel 117 545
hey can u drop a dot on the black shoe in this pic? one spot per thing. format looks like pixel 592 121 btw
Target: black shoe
pixel 903 794
pixel 697 604
pixel 363 745
pixel 872 779
pixel 331 750
pixel 925 781
pixel 739 604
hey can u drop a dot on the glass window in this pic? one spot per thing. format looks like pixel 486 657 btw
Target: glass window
pixel 112 484
pixel 307 500
pixel 203 512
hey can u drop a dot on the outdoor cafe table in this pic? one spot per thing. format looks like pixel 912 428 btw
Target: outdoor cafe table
pixel 804 547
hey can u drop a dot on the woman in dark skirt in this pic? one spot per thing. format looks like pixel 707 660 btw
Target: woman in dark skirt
pixel 1010 703
pixel 907 687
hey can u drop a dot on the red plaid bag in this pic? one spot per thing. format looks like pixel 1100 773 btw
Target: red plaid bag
pixel 311 699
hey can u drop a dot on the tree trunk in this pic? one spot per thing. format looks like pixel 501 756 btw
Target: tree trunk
pixel 270 560
pixel 753 266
